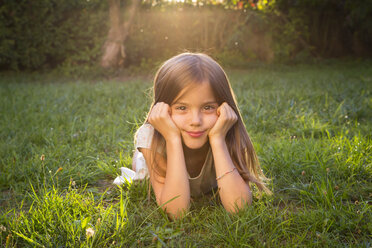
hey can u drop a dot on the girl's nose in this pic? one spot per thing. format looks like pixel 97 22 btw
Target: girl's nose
pixel 196 118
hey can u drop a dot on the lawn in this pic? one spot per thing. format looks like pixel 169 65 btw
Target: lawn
pixel 61 144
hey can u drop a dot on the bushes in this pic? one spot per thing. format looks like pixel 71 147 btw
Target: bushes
pixel 49 34
pixel 328 28
pixel 233 37
pixel 44 34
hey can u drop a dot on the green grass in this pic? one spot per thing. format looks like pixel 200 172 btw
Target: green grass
pixel 311 126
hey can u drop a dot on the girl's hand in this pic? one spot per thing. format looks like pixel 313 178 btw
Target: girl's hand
pixel 161 120
pixel 226 119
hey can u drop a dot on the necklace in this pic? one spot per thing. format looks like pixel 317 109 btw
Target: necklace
pixel 195 159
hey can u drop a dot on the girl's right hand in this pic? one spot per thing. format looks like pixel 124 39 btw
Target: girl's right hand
pixel 161 120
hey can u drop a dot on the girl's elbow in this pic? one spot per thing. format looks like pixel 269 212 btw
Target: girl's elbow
pixel 177 210
pixel 176 213
pixel 239 203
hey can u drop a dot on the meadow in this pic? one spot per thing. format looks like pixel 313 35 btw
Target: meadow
pixel 62 143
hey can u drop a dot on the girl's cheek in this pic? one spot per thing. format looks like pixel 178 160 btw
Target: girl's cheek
pixel 176 119
pixel 213 119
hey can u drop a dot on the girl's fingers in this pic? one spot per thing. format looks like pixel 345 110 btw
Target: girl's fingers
pixel 219 110
pixel 231 116
pixel 156 112
pixel 227 110
pixel 159 110
pixel 226 119
pixel 161 120
pixel 165 111
pixel 224 109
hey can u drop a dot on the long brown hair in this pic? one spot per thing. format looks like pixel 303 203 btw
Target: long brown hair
pixel 184 69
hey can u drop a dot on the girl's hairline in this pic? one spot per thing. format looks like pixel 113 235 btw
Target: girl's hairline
pixel 190 85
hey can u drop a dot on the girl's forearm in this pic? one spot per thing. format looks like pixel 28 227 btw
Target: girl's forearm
pixel 233 190
pixel 176 184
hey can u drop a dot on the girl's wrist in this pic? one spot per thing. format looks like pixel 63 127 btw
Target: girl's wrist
pixel 173 139
pixel 216 140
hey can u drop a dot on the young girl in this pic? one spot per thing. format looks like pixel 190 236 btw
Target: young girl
pixel 194 139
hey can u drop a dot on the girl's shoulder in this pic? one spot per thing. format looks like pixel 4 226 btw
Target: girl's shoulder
pixel 146 128
pixel 143 137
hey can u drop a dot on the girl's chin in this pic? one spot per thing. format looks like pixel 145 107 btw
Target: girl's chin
pixel 194 144
pixel 194 147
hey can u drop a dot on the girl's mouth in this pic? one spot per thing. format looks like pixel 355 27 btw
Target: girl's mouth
pixel 195 134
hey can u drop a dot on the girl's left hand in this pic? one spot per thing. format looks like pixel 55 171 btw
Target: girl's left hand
pixel 226 119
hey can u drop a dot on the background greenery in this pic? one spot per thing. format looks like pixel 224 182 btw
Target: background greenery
pixel 62 140
pixel 61 144
pixel 68 35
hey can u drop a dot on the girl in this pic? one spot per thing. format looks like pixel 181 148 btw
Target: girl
pixel 194 139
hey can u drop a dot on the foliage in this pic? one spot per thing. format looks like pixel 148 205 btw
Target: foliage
pixel 327 28
pixel 68 35
pixel 72 218
pixel 234 38
pixel 48 33
pixel 61 145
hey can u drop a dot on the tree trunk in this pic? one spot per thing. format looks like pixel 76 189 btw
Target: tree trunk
pixel 113 49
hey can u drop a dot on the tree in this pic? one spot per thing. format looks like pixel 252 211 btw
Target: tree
pixel 114 48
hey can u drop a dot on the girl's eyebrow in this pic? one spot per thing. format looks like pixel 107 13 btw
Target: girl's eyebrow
pixel 204 103
pixel 211 102
pixel 182 103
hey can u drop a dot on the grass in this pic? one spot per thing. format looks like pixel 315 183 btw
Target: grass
pixel 61 144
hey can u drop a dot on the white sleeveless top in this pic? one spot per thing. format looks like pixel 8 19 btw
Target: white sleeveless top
pixel 199 185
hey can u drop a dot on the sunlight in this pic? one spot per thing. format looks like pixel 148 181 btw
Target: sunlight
pixel 180 1
pixel 193 1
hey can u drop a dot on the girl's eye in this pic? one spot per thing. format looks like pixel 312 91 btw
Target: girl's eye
pixel 181 108
pixel 209 107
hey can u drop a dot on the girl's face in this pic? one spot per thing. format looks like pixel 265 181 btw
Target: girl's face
pixel 195 112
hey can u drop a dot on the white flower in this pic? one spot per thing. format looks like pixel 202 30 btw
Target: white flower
pixel 89 232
